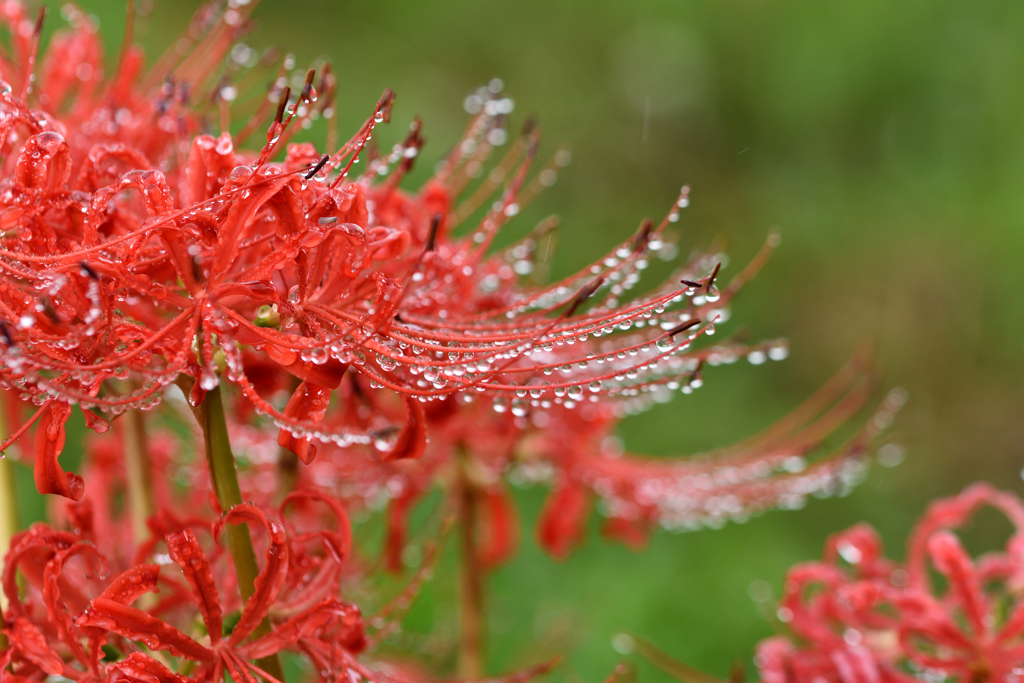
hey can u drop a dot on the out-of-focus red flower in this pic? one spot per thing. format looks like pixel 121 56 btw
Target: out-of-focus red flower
pixel 73 622
pixel 573 449
pixel 940 615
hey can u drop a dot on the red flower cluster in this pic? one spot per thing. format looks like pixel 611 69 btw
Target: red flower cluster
pixel 356 330
pixel 77 624
pixel 939 615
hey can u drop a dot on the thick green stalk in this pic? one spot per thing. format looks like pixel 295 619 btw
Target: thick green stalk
pixel 287 473
pixel 138 474
pixel 287 462
pixel 8 517
pixel 471 582
pixel 221 462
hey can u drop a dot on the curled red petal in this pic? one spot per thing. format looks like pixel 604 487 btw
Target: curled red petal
pixel 500 523
pixel 562 521
pixel 312 622
pixel 412 440
pixel 131 584
pixel 860 546
pixel 308 403
pixel 952 560
pixel 134 624
pixel 141 668
pixel 29 545
pixel 952 513
pixel 49 442
pixel 397 530
pixel 44 162
pixel 184 549
pixel 339 543
pixel 271 578
pixel 95 422
pixel 56 610
pixel 327 375
pixel 633 532
pixel 31 644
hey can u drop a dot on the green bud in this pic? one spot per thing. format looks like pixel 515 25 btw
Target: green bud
pixel 267 316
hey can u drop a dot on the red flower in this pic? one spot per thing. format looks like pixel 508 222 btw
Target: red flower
pixel 297 587
pixel 858 618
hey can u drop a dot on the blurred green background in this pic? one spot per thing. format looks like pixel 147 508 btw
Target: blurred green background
pixel 884 140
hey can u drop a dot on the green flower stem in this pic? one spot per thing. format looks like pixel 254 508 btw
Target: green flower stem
pixel 287 473
pixel 138 474
pixel 221 462
pixel 287 462
pixel 471 581
pixel 8 517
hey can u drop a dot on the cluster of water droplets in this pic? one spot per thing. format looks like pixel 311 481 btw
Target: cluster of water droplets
pixel 709 491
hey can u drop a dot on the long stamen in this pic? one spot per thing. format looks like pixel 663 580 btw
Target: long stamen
pixel 31 66
pixel 126 43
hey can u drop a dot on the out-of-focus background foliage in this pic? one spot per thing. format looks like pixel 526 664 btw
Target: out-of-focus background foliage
pixel 884 140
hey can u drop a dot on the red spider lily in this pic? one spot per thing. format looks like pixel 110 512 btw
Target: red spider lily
pixel 559 364
pixel 857 617
pixel 68 638
pixel 563 361
pixel 224 250
pixel 54 627
pixel 99 287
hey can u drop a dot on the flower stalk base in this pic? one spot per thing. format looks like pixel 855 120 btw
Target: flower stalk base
pixel 138 474
pixel 8 518
pixel 221 463
pixel 471 582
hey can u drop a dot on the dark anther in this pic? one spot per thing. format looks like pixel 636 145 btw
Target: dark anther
pixel 412 138
pixel 215 96
pixel 184 91
pixel 643 234
pixel 691 283
pixel 282 104
pixel 50 311
pixel 714 273
pixel 316 167
pixel 529 125
pixel 325 74
pixel 88 271
pixel 697 373
pixel 40 18
pixel 681 327
pixel 435 224
pixel 307 87
pixel 582 296
pixel 531 151
pixel 6 332
pixel 384 104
